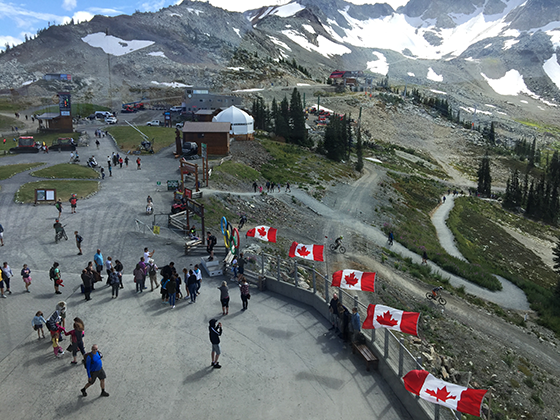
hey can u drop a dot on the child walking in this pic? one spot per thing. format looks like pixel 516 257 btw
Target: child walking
pixel 26 276
pixel 38 321
pixel 55 335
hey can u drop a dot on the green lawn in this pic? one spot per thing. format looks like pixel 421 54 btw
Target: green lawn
pixel 298 165
pixel 64 189
pixel 8 171
pixel 67 170
pixel 6 124
pixel 7 105
pixel 129 139
pixel 238 170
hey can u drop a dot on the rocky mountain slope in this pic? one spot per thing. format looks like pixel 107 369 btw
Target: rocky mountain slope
pixel 468 48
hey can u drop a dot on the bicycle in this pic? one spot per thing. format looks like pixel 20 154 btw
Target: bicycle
pixel 59 235
pixel 337 247
pixel 437 298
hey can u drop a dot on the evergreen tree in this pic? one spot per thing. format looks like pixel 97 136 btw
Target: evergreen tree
pixel 492 133
pixel 298 132
pixel 556 259
pixel 513 198
pixel 334 144
pixel 484 177
pixel 531 163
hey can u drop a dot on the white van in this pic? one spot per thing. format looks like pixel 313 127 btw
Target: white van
pixel 101 115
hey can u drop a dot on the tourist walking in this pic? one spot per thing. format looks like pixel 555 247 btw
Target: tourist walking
pixel 245 295
pixel 54 274
pixel 1 235
pixel 26 276
pixel 119 269
pixel 139 275
pixel 58 206
pixel 126 161
pixel 215 333
pixel 73 203
pixel 198 273
pixel 79 240
pixel 38 321
pixel 94 367
pixel 8 274
pixel 114 282
pixel 192 285
pixel 138 163
pixel 333 309
pixel 98 260
pixel 87 281
pixel 152 272
pixel 171 287
pixel 224 297
pixel 77 339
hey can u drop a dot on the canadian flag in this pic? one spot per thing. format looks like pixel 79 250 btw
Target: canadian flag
pixel 380 316
pixel 265 233
pixel 354 280
pixel 456 397
pixel 309 252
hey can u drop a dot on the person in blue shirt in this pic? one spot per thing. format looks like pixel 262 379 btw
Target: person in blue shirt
pixel 38 321
pixel 98 260
pixel 94 367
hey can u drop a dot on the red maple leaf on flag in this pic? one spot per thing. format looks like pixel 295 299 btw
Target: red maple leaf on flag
pixel 261 231
pixel 442 394
pixel 351 279
pixel 303 251
pixel 387 319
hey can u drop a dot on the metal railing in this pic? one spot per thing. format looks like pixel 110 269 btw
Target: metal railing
pixel 389 346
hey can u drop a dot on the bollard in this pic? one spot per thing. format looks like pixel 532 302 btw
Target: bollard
pixel 295 274
pixel 436 412
pixel 401 357
pixel 262 266
pixel 327 290
pixel 278 267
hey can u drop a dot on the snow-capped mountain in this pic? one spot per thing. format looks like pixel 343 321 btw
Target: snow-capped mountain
pixel 507 46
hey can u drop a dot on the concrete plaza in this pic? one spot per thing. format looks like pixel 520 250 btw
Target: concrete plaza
pixel 279 359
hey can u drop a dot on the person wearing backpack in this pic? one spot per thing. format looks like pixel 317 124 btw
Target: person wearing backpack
pixel 79 241
pixel 94 367
pixel 73 202
pixel 1 235
pixel 54 274
pixel 152 272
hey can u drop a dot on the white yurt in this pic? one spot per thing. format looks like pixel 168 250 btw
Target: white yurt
pixel 241 122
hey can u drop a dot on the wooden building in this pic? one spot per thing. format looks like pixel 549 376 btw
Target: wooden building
pixel 214 134
pixel 206 115
pixel 53 121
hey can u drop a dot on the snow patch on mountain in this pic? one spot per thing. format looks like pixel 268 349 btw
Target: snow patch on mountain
pixel 171 84
pixel 552 69
pixel 508 43
pixel 325 46
pixel 511 84
pixel 554 37
pixel 380 65
pixel 115 46
pixel 157 54
pixel 279 43
pixel 195 11
pixel 286 10
pixel 432 75
pixel 238 32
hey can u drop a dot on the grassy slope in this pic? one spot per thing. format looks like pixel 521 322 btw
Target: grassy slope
pixel 129 139
pixel 66 170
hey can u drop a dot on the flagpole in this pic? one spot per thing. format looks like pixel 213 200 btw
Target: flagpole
pixel 326 270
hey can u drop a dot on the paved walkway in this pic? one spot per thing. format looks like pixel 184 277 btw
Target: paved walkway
pixel 278 358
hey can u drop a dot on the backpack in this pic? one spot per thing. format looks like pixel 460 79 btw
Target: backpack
pixel 213 240
pixel 152 271
pixel 52 274
pixel 51 322
pixel 73 201
pixel 1 229
pixel 79 239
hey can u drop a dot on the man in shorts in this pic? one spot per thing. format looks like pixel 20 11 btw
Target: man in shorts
pixel 215 333
pixel 94 367
pixel 210 242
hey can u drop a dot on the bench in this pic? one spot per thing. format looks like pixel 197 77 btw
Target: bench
pixel 192 244
pixel 366 353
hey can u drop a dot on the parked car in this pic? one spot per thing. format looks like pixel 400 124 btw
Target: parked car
pixel 154 122
pixel 63 144
pixel 111 120
pixel 176 108
pixel 102 114
pixel 179 125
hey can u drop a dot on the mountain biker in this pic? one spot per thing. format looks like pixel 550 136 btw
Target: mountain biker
pixel 435 291
pixel 338 241
pixel 242 221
